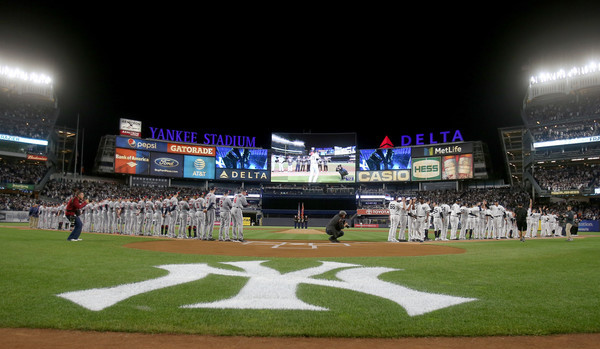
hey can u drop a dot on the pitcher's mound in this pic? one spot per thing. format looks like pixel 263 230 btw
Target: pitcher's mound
pixel 302 231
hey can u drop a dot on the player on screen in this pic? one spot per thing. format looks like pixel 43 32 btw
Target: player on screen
pixel 314 166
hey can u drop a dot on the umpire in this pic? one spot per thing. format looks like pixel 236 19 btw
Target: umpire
pixel 335 226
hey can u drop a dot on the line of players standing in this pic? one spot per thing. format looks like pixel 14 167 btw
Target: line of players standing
pixel 410 219
pixel 170 216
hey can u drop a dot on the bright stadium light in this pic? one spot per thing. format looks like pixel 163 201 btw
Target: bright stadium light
pixel 542 77
pixel 16 73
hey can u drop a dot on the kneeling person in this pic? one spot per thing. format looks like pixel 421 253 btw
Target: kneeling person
pixel 335 226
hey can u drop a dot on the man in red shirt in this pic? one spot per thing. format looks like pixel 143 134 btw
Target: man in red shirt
pixel 72 213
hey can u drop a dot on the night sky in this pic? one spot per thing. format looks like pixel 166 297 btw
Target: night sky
pixel 255 70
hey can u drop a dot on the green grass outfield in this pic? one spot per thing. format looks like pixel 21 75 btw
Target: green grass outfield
pixel 542 286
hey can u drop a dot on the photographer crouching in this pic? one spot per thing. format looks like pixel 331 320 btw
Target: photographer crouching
pixel 72 213
pixel 335 226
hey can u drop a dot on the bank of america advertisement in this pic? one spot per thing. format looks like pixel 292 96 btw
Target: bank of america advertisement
pixel 131 161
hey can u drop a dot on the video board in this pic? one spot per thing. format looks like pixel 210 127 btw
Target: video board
pixel 247 164
pixel 384 165
pixel 313 157
pixel 295 158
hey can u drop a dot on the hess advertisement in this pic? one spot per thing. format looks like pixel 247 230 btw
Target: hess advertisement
pixel 427 169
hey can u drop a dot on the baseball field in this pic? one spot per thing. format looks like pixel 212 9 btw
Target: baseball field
pixel 285 283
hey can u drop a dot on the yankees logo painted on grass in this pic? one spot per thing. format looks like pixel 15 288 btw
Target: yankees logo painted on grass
pixel 267 288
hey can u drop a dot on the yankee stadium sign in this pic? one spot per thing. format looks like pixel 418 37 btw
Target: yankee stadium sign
pixel 165 134
pixel 267 288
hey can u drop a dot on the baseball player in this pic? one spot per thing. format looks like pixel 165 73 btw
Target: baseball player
pixel 158 219
pixel 436 213
pixel 454 219
pixel 445 220
pixel 200 215
pixel 314 167
pixel 183 207
pixel 394 208
pixel 239 202
pixel 422 224
pixel 403 220
pixel 225 215
pixel 211 206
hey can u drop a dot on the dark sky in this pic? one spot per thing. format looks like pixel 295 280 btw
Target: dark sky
pixel 251 71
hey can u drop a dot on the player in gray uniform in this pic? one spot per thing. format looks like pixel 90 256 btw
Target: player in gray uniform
pixel 157 217
pixel 184 208
pixel 239 201
pixel 225 216
pixel 192 218
pixel 174 211
pixel 199 205
pixel 211 206
pixel 148 216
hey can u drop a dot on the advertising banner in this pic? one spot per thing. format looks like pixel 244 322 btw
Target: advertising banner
pixel 242 164
pixel 198 167
pixel 166 165
pixel 589 225
pixel 190 149
pixel 442 149
pixel 128 127
pixel 384 165
pixel 132 161
pixel 136 143
pixel 426 169
pixel 457 166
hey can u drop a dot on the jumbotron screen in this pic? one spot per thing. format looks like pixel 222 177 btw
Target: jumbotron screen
pixel 313 157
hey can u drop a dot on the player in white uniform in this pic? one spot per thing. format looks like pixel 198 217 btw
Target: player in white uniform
pixel 464 218
pixel 314 167
pixel 394 209
pixel 445 220
pixel 422 224
pixel 454 219
pixel 437 214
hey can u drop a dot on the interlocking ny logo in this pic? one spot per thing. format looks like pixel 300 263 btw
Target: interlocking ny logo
pixel 269 289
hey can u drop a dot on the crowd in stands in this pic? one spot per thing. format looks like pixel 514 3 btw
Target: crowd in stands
pixel 566 131
pixel 26 118
pixel 21 171
pixel 568 177
pixel 561 109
